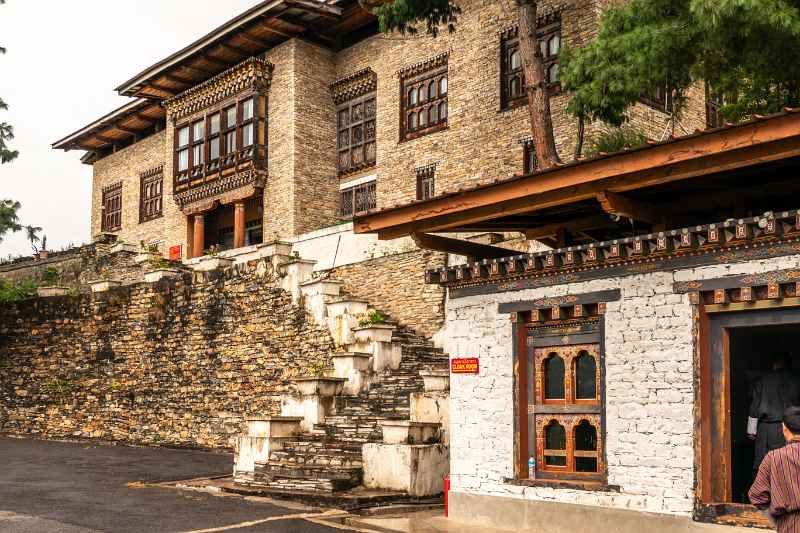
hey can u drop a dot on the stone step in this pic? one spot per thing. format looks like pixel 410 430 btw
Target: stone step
pixel 324 478
pixel 322 459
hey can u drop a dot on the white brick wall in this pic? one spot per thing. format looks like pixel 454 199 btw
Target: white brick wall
pixel 649 391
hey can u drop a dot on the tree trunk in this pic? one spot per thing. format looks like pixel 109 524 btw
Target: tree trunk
pixel 538 98
pixel 580 139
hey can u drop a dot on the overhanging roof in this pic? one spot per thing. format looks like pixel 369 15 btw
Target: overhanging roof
pixel 253 32
pixel 133 119
pixel 638 184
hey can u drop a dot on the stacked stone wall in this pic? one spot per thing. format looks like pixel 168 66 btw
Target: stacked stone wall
pixel 395 284
pixel 649 391
pixel 181 362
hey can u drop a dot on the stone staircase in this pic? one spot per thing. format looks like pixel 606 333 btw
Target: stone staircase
pixel 317 445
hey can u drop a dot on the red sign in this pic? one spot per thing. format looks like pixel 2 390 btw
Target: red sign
pixel 175 252
pixel 470 365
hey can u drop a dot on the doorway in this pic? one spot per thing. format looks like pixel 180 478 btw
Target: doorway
pixel 738 348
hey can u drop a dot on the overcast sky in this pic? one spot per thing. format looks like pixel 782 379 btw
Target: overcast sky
pixel 64 59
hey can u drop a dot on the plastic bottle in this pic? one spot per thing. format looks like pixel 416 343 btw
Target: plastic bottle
pixel 531 468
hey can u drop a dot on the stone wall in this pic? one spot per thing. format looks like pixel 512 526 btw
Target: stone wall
pixel 395 284
pixel 180 362
pixel 649 391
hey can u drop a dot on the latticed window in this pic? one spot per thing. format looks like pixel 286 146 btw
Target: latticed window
pixel 529 161
pixel 358 199
pixel 564 391
pixel 426 182
pixel 112 208
pixel 151 195
pixel 356 125
pixel 424 102
pixel 513 90
pixel 660 99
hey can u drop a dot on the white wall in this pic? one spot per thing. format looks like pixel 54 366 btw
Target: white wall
pixel 649 391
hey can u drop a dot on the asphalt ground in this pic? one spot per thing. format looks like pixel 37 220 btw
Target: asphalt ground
pixel 67 487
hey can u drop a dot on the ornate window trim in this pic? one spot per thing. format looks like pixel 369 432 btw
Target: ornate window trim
pixel 357 199
pixel 512 77
pixel 424 90
pixel 151 194
pixel 356 129
pixel 426 182
pixel 111 209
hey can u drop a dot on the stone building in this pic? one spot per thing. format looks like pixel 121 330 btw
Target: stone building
pixel 607 383
pixel 296 115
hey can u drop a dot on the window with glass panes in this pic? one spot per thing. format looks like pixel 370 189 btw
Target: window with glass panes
pixel 358 199
pixel 424 103
pixel 529 161
pixel 356 141
pixel 111 219
pixel 426 182
pixel 660 99
pixel 565 396
pixel 513 88
pixel 151 194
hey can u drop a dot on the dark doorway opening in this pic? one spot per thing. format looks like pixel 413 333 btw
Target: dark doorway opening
pixel 750 349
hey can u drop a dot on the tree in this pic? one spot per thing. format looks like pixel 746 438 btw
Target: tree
pixel 8 208
pixel 741 49
pixel 405 16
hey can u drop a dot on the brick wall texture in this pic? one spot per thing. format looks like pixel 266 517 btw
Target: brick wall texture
pixel 180 362
pixel 394 285
pixel 481 142
pixel 649 391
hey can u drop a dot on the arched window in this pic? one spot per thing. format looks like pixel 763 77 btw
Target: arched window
pixel 585 374
pixel 553 378
pixel 423 119
pixel 516 60
pixel 412 97
pixel 432 90
pixel 555 444
pixel 443 86
pixel 412 121
pixel 552 73
pixel 543 48
pixel 423 94
pixel 554 45
pixel 585 447
pixel 443 111
pixel 433 114
pixel 516 86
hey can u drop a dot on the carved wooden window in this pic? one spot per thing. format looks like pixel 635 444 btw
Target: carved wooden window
pixel 229 133
pixel 529 161
pixel 426 182
pixel 112 208
pixel 182 149
pixel 198 158
pixel 423 102
pixel 214 128
pixel 660 99
pixel 247 112
pixel 151 195
pixel 358 199
pixel 356 127
pixel 513 88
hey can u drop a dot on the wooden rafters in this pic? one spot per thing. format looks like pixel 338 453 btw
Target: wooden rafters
pixel 469 249
pixel 574 226
pixel 249 39
pixel 235 50
pixel 623 206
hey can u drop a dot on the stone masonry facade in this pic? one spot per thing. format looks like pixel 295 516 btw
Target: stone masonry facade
pixel 649 388
pixel 480 143
pixel 179 362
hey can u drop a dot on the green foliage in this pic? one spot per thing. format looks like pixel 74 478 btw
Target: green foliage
pixel 148 248
pixel 50 276
pixel 406 16
pixel 17 291
pixel 58 387
pixel 9 220
pixel 158 263
pixel 6 132
pixel 614 140
pixel 741 48
pixel 373 316
pixel 212 251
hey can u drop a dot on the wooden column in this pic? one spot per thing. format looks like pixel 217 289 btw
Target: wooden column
pixel 238 224
pixel 198 246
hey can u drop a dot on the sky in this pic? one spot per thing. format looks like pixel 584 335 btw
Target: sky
pixel 63 60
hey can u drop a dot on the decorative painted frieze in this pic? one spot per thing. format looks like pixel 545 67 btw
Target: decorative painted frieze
pixel 252 74
pixel 241 184
pixel 353 86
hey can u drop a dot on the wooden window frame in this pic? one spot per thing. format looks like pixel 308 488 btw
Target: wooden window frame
pixel 416 82
pixel 368 158
pixel 538 334
pixel 529 161
pixel 659 101
pixel 196 167
pixel 179 148
pixel 242 122
pixel 228 155
pixel 111 213
pixel 509 43
pixel 426 182
pixel 151 204
pixel 368 189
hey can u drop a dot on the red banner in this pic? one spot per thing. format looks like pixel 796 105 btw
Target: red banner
pixel 470 365
pixel 175 252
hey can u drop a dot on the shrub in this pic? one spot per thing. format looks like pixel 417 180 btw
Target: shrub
pixel 614 140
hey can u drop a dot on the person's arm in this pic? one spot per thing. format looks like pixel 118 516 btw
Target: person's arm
pixel 760 494
pixel 753 414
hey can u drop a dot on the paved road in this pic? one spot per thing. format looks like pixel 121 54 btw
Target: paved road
pixel 59 487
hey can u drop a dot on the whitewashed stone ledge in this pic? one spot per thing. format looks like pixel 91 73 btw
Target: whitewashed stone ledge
pixel 435 381
pixel 104 285
pixel 207 264
pixel 48 292
pixel 417 470
pixel 324 387
pixel 406 432
pixel 157 275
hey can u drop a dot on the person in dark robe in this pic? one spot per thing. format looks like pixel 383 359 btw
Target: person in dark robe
pixel 772 394
pixel 776 490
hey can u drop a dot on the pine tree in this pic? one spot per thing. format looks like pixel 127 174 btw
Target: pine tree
pixel 8 208
pixel 743 50
pixel 405 16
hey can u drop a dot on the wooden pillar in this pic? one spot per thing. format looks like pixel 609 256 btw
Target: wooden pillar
pixel 238 224
pixel 199 245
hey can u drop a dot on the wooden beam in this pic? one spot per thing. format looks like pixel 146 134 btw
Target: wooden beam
pixel 728 149
pixel 162 88
pixel 623 206
pixel 107 140
pixel 199 70
pixel 255 41
pixel 180 79
pixel 130 131
pixel 459 247
pixel 575 225
pixel 323 9
pixel 235 49
pixel 213 61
